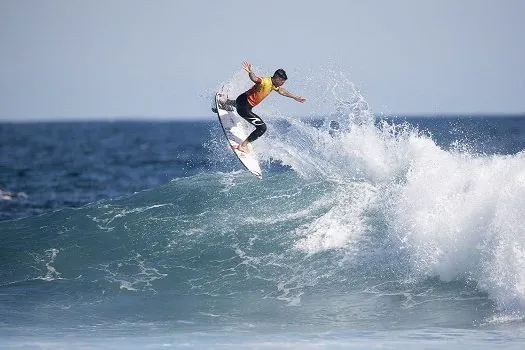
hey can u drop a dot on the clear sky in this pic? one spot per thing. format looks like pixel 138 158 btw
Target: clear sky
pixel 68 59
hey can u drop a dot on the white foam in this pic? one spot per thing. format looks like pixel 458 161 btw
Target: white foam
pixel 459 215
pixel 49 260
pixel 132 274
pixel 343 224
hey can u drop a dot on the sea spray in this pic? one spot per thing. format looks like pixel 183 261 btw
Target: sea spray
pixel 458 214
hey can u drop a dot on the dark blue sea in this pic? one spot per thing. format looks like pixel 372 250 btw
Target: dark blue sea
pixel 364 233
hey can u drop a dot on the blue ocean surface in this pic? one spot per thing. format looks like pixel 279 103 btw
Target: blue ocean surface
pixel 364 233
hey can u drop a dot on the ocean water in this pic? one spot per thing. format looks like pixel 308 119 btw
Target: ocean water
pixel 365 233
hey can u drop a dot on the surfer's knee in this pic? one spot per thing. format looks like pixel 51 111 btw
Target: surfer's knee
pixel 262 128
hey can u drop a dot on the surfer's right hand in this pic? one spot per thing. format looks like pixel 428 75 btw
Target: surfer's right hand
pixel 247 66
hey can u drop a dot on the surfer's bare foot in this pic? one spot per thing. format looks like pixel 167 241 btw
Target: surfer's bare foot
pixel 245 147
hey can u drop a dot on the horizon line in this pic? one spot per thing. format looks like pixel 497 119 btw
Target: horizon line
pixel 207 118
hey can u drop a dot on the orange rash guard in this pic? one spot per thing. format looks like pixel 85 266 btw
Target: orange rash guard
pixel 260 90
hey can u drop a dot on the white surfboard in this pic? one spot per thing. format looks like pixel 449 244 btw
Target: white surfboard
pixel 234 129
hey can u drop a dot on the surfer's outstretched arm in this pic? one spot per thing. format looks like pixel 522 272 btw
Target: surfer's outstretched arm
pixel 284 92
pixel 248 67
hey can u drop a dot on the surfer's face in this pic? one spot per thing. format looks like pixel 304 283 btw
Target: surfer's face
pixel 278 81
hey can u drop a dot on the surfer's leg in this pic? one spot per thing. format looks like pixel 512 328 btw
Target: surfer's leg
pixel 245 111
pixel 260 127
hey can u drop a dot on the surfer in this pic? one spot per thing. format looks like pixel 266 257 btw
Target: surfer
pixel 251 98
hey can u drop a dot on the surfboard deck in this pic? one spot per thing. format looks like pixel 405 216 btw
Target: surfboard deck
pixel 235 132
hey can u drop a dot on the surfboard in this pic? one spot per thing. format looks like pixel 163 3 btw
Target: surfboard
pixel 235 132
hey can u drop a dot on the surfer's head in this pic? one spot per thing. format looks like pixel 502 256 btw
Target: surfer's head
pixel 279 77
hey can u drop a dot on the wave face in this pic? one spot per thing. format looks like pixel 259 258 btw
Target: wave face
pixel 366 224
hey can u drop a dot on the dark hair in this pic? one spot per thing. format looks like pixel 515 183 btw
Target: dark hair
pixel 280 73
